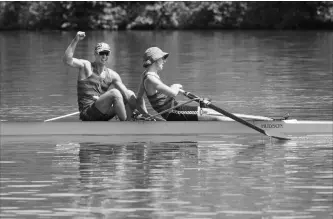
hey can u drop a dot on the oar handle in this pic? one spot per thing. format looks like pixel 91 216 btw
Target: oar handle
pixel 188 94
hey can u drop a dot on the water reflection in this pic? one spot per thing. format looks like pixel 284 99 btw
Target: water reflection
pixel 128 180
pixel 230 178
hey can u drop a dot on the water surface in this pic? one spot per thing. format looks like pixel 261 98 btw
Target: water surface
pixel 254 72
pixel 235 177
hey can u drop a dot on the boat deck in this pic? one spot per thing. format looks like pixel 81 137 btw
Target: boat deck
pixel 286 127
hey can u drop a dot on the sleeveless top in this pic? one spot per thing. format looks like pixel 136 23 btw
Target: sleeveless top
pixel 159 101
pixel 94 85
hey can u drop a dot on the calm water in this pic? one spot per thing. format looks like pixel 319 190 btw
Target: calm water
pixel 230 178
pixel 261 73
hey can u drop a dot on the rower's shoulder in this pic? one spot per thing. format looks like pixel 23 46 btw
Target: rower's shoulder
pixel 85 69
pixel 150 75
pixel 111 74
pixel 86 63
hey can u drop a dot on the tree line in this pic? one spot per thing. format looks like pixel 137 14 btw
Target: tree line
pixel 153 15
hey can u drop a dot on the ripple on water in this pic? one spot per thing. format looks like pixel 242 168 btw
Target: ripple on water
pixel 232 178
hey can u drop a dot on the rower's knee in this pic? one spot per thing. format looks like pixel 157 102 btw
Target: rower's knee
pixel 114 95
pixel 130 93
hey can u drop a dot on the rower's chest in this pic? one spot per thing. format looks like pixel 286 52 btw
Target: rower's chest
pixel 104 75
pixel 105 80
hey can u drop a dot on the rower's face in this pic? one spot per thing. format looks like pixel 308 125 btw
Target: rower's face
pixel 160 63
pixel 102 56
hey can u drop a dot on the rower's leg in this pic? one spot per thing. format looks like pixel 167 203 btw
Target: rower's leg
pixel 209 111
pixel 129 112
pixel 212 118
pixel 130 105
pixel 112 101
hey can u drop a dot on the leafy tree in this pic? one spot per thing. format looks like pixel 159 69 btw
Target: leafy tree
pixel 165 15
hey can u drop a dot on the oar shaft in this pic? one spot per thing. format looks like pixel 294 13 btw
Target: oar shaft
pixel 218 109
pixel 60 117
pixel 230 115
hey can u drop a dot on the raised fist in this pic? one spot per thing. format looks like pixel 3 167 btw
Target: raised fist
pixel 80 35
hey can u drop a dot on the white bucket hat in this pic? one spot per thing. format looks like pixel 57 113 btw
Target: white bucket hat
pixel 152 54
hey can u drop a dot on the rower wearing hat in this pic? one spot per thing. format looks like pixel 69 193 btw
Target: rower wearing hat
pixel 162 96
pixel 101 93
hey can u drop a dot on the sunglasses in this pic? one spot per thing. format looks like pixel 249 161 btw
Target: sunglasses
pixel 107 53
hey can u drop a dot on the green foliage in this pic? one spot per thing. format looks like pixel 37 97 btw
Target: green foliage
pixel 165 15
pixel 161 15
pixel 280 15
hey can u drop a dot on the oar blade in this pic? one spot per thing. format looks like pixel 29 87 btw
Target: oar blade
pixel 281 138
pixel 278 136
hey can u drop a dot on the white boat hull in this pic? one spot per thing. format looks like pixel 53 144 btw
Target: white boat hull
pixel 284 127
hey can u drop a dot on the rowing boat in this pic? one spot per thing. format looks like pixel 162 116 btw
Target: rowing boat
pixel 284 127
pixel 230 124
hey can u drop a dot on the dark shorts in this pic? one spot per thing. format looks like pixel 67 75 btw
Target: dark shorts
pixel 182 113
pixel 91 113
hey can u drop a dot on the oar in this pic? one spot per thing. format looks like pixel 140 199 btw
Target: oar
pixel 230 115
pixel 60 117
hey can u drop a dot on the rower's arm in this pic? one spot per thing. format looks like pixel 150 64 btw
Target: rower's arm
pixel 157 84
pixel 117 82
pixel 128 96
pixel 68 58
pixel 140 101
pixel 137 104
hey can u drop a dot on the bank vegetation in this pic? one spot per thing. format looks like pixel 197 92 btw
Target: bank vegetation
pixel 94 15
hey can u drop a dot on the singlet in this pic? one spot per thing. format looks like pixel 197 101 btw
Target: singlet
pixel 94 85
pixel 159 101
